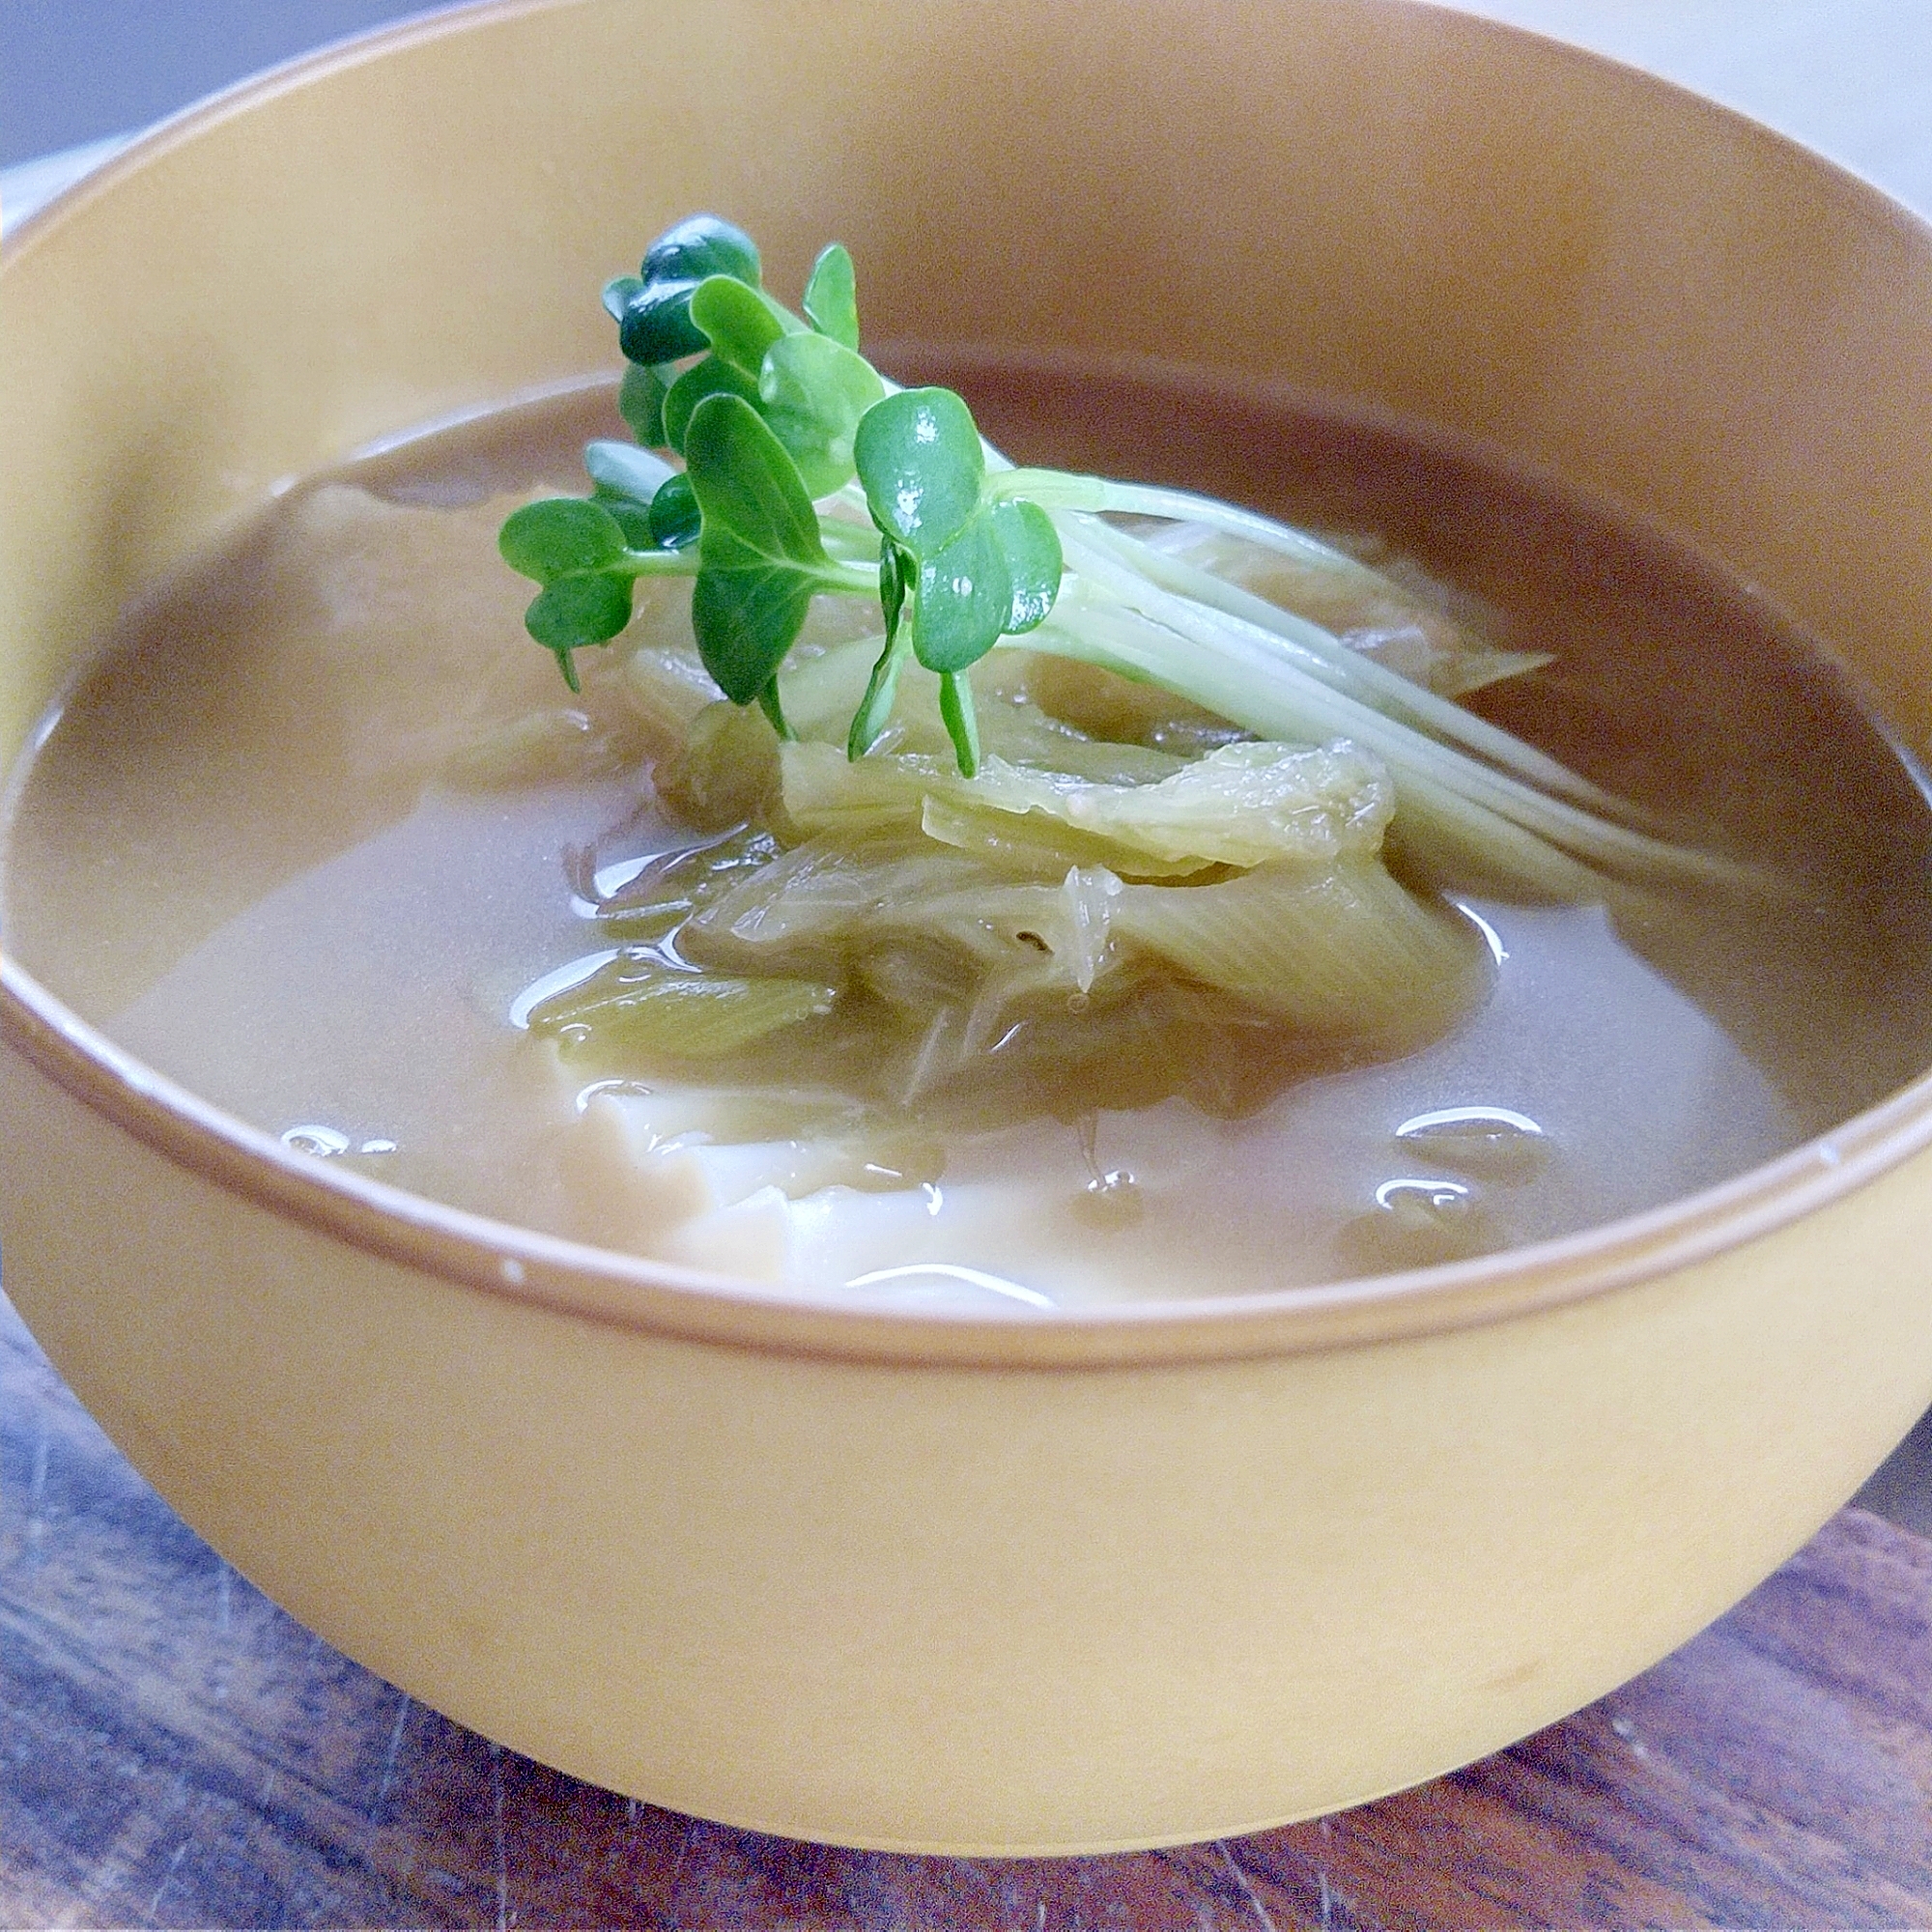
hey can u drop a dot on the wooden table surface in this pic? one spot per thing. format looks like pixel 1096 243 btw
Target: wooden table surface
pixel 175 1751
pixel 178 1753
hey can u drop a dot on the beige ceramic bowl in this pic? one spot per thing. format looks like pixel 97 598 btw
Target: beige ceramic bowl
pixel 1084 1581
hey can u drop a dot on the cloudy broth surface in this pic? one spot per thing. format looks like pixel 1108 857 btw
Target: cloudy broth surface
pixel 270 847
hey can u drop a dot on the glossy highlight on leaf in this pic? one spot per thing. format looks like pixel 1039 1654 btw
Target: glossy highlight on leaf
pixel 674 516
pixel 919 455
pixel 618 294
pixel 831 297
pixel 656 324
pixel 701 246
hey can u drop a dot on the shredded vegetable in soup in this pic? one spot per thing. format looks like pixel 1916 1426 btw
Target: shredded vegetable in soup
pixel 937 879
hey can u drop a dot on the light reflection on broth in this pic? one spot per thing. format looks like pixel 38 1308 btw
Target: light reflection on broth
pixel 268 848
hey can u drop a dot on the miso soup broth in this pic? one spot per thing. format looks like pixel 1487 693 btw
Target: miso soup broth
pixel 324 836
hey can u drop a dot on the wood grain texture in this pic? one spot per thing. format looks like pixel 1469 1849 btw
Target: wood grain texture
pixel 177 1752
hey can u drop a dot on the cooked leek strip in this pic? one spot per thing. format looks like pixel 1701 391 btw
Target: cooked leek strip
pixel 1343 951
pixel 1326 657
pixel 1036 846
pixel 643 1006
pixel 1241 804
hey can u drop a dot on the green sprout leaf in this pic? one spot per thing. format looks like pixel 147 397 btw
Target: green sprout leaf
pixel 755 506
pixel 897 572
pixel 895 569
pixel 674 516
pixel 701 246
pixel 760 553
pixel 640 401
pixel 918 456
pixel 815 393
pixel 831 298
pixel 999 575
pixel 656 324
pixel 876 706
pixel 1035 564
pixel 588 608
pixel 964 597
pixel 560 536
pixel 773 706
pixel 770 414
pixel 618 294
pixel 628 481
pixel 712 377
pixel 737 321
pixel 633 519
pixel 746 621
pixel 569 545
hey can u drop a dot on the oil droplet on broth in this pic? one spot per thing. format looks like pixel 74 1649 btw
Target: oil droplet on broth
pixel 1110 1200
pixel 1417 1221
pixel 1494 1143
pixel 1425 1203
pixel 327 1143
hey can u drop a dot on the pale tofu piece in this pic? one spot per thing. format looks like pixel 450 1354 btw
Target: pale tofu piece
pixel 628 1189
pixel 752 1238
pixel 725 1206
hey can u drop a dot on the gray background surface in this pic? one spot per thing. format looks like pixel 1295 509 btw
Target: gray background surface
pixel 1852 77
pixel 74 70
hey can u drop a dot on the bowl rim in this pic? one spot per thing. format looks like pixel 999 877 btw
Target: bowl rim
pixel 628 1292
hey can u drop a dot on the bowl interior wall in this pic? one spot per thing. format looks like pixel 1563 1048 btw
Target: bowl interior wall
pixel 1384 202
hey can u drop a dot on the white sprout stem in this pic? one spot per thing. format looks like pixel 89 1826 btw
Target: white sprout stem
pixel 1059 490
pixel 1332 660
pixel 1120 642
pixel 1256 688
pixel 1080 500
pixel 1396 744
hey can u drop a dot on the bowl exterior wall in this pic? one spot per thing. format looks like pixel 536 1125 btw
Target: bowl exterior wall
pixel 969 1609
pixel 961 1610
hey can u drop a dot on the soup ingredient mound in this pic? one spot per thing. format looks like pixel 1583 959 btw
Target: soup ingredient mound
pixel 807 475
